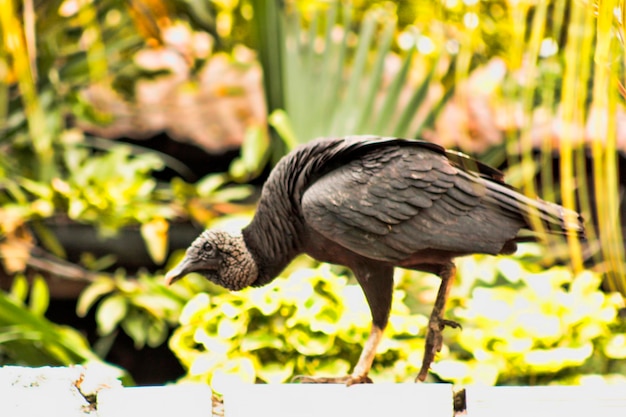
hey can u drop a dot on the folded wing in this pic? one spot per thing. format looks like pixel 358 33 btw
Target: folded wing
pixel 399 199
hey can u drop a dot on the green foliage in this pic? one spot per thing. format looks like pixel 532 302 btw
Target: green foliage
pixel 112 189
pixel 47 59
pixel 309 321
pixel 28 338
pixel 521 325
pixel 317 71
pixel 253 156
pixel 143 307
pixel 526 326
pixel 325 74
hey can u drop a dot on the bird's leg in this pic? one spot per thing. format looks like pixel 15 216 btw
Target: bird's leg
pixel 377 283
pixel 436 323
pixel 362 368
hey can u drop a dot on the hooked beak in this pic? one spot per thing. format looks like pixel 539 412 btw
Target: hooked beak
pixel 183 268
pixel 190 264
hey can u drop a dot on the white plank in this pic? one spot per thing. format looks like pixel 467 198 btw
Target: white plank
pixel 329 400
pixel 546 401
pixel 46 391
pixel 169 401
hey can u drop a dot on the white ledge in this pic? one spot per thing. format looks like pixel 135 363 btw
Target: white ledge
pixel 547 401
pixel 79 391
pixel 168 401
pixel 329 400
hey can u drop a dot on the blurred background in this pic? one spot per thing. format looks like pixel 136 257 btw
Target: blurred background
pixel 126 127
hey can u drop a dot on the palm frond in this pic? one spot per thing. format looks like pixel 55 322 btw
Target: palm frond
pixel 335 82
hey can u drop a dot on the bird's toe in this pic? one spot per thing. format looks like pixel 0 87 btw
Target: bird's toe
pixel 434 342
pixel 360 379
pixel 450 323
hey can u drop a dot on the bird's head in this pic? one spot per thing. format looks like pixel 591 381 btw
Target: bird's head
pixel 219 256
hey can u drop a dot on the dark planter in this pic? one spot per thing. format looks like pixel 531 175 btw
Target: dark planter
pixel 128 245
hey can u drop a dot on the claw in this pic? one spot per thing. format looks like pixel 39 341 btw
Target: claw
pixel 434 342
pixel 450 323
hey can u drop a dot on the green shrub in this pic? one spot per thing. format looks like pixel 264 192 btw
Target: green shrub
pixel 112 189
pixel 311 320
pixel 541 327
pixel 520 325
pixel 28 338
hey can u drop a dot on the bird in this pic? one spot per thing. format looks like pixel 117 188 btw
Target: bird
pixel 372 204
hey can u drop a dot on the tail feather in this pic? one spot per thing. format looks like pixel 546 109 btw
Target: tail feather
pixel 554 218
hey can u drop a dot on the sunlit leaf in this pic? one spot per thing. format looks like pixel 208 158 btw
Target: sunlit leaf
pixel 254 150
pixel 309 343
pixel 616 347
pixel 37 188
pixel 210 183
pixel 155 236
pixel 227 329
pixel 137 326
pixel 266 301
pixel 202 363
pixel 551 360
pixel 235 193
pixel 39 296
pixel 110 313
pixel 19 288
pixel 260 340
pixel 280 121
pixel 92 293
pixel 157 333
pixel 159 305
pixel 233 373
pixel 98 264
pixel 194 307
pixel 336 366
pixel 238 169
pixel 276 373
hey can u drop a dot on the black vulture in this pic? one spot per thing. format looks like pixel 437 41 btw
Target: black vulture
pixel 371 204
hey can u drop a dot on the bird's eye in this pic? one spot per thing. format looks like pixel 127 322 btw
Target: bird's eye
pixel 208 247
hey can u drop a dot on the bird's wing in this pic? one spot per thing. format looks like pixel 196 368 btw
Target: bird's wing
pixel 399 199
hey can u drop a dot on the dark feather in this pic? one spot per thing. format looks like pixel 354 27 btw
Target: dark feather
pixel 371 204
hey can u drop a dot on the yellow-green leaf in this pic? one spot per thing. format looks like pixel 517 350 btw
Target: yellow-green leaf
pixel 155 236
pixel 276 373
pixel 616 347
pixel 280 121
pixel 112 310
pixel 39 296
pixel 254 149
pixel 92 293
pixel 19 288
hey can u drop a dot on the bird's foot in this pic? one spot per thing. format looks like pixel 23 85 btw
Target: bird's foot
pixel 434 337
pixel 450 323
pixel 434 342
pixel 347 380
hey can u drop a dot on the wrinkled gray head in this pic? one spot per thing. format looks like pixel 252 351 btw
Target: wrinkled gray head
pixel 220 257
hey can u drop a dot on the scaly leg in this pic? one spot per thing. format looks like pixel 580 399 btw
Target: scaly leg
pixel 377 283
pixel 436 323
pixel 362 368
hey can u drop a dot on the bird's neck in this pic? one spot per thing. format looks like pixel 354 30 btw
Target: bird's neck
pixel 272 236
